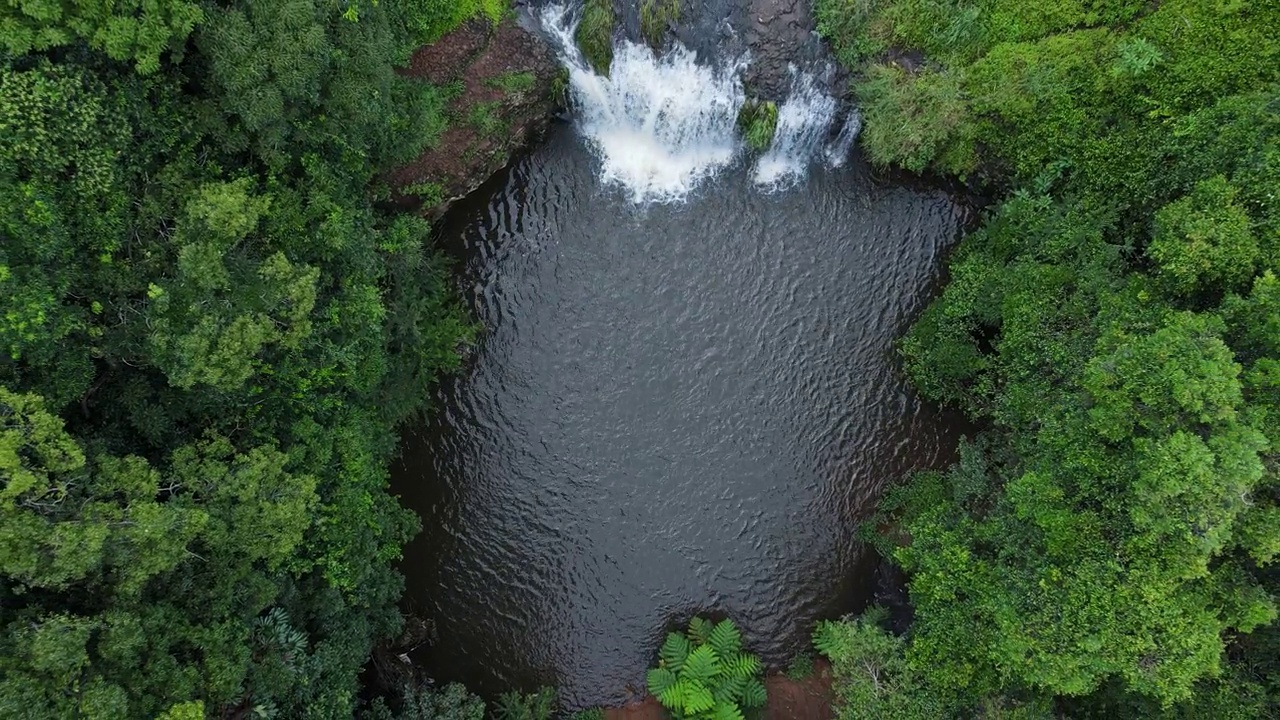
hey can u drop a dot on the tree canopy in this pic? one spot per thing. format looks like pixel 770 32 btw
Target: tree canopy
pixel 1108 539
pixel 208 331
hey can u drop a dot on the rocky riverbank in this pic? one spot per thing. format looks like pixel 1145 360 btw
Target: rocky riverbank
pixel 503 84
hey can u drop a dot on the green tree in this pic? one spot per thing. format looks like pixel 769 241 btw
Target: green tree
pixel 1204 239
pixel 134 30
pixel 208 331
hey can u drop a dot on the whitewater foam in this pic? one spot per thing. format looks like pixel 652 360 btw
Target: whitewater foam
pixel 661 125
pixel 804 120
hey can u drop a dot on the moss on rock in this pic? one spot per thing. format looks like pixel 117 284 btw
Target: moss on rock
pixel 758 121
pixel 655 17
pixel 595 34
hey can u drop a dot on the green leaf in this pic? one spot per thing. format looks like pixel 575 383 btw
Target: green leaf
pixel 659 680
pixel 674 651
pixel 727 711
pixel 729 689
pixel 754 695
pixel 697 698
pixel 673 698
pixel 702 665
pixel 743 665
pixel 699 630
pixel 725 639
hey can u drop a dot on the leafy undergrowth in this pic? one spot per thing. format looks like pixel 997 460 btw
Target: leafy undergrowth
pixel 704 674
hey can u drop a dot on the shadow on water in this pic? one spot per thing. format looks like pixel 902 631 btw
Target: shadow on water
pixel 674 409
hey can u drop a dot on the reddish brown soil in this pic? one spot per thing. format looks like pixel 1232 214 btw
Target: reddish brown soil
pixel 447 58
pixel 477 56
pixel 789 699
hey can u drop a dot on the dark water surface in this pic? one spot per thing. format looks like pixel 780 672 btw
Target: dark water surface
pixel 674 409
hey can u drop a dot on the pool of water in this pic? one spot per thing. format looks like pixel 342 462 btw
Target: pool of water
pixel 673 409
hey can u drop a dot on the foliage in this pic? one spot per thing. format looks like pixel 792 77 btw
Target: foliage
pixel 915 120
pixel 589 714
pixel 128 30
pixel 432 19
pixel 594 34
pixel 801 667
pixel 655 17
pixel 451 702
pixel 1107 540
pixel 208 332
pixel 1204 239
pixel 431 193
pixel 758 122
pixel 485 118
pixel 514 82
pixel 872 679
pixel 854 29
pixel 539 705
pixel 706 674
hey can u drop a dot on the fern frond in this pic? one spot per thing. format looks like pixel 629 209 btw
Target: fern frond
pixel 725 639
pixel 727 711
pixel 699 630
pixel 754 695
pixel 730 689
pixel 673 697
pixel 702 665
pixel 659 679
pixel 743 665
pixel 674 651
pixel 511 706
pixel 697 698
pixel 827 637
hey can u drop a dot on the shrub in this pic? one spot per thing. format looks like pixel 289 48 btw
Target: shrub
pixel 801 667
pixel 452 702
pixel 916 121
pixel 852 29
pixel 1204 239
pixel 540 705
pixel 704 674
pixel 871 676
pixel 434 18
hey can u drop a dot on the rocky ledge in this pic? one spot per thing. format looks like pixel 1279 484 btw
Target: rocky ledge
pixel 503 82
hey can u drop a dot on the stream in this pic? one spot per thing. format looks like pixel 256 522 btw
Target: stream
pixel 686 393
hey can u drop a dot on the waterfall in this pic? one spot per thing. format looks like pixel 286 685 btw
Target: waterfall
pixel 660 125
pixel 803 122
pixel 838 151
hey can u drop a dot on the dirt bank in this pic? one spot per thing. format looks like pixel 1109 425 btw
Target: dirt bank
pixel 808 699
pixel 504 81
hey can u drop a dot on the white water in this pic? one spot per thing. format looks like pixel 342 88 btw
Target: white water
pixel 803 122
pixel 838 151
pixel 661 125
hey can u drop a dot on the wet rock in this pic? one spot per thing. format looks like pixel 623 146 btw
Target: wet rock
pixel 779 33
pixel 506 77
